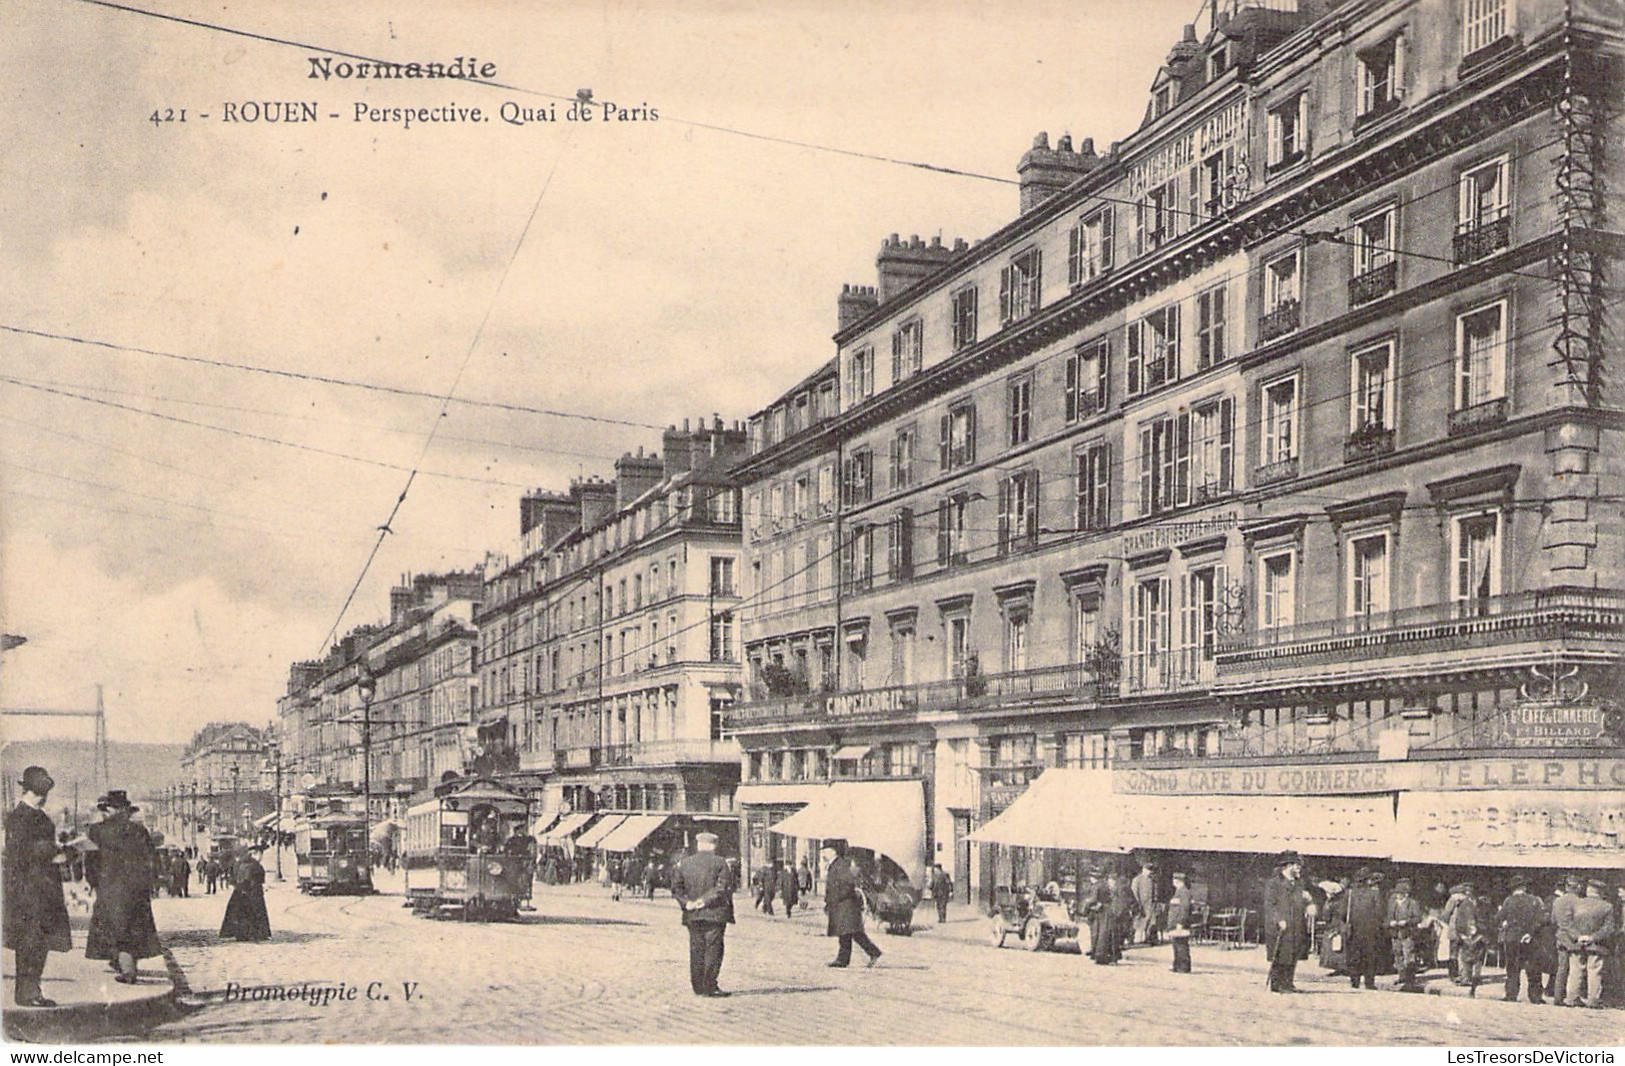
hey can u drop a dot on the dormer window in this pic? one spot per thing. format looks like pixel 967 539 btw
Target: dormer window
pixel 1162 100
pixel 1218 61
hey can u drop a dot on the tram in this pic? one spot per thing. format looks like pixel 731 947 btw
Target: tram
pixel 468 852
pixel 332 855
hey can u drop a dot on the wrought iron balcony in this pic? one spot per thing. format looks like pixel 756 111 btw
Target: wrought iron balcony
pixel 1368 442
pixel 1482 237
pixel 666 752
pixel 1281 321
pixel 1542 615
pixel 1378 281
pixel 1276 472
pixel 1045 684
pixel 1479 416
pixel 1178 670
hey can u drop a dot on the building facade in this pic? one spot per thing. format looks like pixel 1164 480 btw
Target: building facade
pixel 224 786
pixel 609 647
pixel 1277 438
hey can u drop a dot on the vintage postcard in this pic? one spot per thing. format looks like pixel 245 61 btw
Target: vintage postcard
pixel 625 522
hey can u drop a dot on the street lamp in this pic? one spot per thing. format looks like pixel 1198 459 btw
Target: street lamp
pixel 234 769
pixel 273 764
pixel 366 688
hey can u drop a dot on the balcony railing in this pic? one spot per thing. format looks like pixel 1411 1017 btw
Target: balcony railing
pixel 1378 281
pixel 1281 321
pixel 1368 442
pixel 662 752
pixel 1041 684
pixel 1167 671
pixel 1276 472
pixel 1478 416
pixel 1540 615
pixel 1482 237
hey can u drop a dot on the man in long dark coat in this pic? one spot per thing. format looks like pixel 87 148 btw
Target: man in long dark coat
pixel 703 886
pixel 246 917
pixel 1106 914
pixel 1521 920
pixel 183 876
pixel 1286 934
pixel 1365 925
pixel 844 887
pixel 121 925
pixel 36 917
pixel 789 891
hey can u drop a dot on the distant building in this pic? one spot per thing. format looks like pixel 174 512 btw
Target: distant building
pixel 223 785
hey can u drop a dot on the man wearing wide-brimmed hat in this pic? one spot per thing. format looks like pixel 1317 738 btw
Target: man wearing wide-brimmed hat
pixel 121 925
pixel 1520 921
pixel 36 917
pixel 1286 918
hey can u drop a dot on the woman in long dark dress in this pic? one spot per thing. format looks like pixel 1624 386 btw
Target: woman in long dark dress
pixel 121 927
pixel 246 917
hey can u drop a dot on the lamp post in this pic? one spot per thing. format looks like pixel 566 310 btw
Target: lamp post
pixel 273 763
pixel 366 688
pixel 234 769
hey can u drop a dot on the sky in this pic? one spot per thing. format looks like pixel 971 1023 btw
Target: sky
pixel 636 273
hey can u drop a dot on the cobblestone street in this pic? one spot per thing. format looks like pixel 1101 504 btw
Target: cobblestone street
pixel 583 969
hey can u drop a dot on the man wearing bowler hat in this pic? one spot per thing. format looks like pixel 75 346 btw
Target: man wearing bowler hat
pixel 844 888
pixel 1404 926
pixel 702 885
pixel 36 918
pixel 1286 918
pixel 1520 920
pixel 121 927
pixel 1363 917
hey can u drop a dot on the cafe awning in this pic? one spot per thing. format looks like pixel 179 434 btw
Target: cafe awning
pixel 632 832
pixel 1356 826
pixel 1532 827
pixel 1071 809
pixel 606 825
pixel 852 751
pixel 887 817
pixel 568 825
pixel 543 825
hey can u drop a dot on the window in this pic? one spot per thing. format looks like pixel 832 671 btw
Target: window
pixel 1020 286
pixel 1380 77
pixel 1162 101
pixel 1188 457
pixel 826 489
pixel 957 446
pixel 722 576
pixel 1280 437
pixel 1085 627
pixel 1149 628
pixel 1218 61
pixel 1277 602
pixel 1199 614
pixel 900 545
pixel 963 314
pixel 1478 558
pixel 1372 391
pixel 858 560
pixel 1087 377
pixel 1015 641
pixel 1153 350
pixel 1156 217
pixel 1483 22
pixel 902 458
pixel 801 498
pixel 907 350
pixel 1092 470
pixel 1211 319
pixel 1213 447
pixel 860 381
pixel 857 482
pixel 1289 131
pixel 1368 576
pixel 1089 247
pixel 1282 282
pixel 952 522
pixel 1018 511
pixel 957 645
pixel 1481 356
pixel 1019 393
pixel 722 637
pixel 1483 225
pixel 721 506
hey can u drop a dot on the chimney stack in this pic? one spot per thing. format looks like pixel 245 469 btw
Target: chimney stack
pixel 635 475
pixel 902 264
pixel 1045 171
pixel 855 303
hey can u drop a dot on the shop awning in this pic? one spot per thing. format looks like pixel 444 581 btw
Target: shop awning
pixel 568 825
pixel 266 821
pixel 1065 808
pixel 544 825
pixel 1532 827
pixel 385 830
pixel 632 832
pixel 887 817
pixel 1357 826
pixel 606 825
pixel 852 751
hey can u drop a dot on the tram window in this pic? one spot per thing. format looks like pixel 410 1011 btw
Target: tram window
pixel 318 845
pixel 454 836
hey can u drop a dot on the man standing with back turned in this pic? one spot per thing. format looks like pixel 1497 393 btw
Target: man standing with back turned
pixel 703 887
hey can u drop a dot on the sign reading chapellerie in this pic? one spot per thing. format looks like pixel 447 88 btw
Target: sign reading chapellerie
pixel 1446 775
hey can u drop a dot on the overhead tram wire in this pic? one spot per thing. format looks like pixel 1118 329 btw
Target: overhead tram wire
pixel 320 379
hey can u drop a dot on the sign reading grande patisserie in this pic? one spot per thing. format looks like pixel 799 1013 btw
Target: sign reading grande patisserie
pixel 1327 779
pixel 1549 723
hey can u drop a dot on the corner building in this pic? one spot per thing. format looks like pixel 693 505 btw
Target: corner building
pixel 1265 471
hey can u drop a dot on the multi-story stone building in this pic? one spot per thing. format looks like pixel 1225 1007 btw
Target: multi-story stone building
pixel 422 664
pixel 1267 458
pixel 609 646
pixel 224 786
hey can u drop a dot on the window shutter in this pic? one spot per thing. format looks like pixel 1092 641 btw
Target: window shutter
pixel 1182 459
pixel 1103 485
pixel 1135 358
pixel 1141 209
pixel 1227 444
pixel 1148 461
pixel 1193 196
pixel 1072 387
pixel 1103 362
pixel 1399 67
pixel 1106 239
pixel 1188 611
pixel 1302 144
pixel 970 435
pixel 1164 606
pixel 1035 283
pixel 896 464
pixel 1275 147
pixel 1074 255
pixel 944 458
pixel 1006 280
pixel 1082 488
pixel 1032 507
pixel 943 538
pixel 1004 515
pixel 896 357
pixel 1174 326
pixel 905 541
